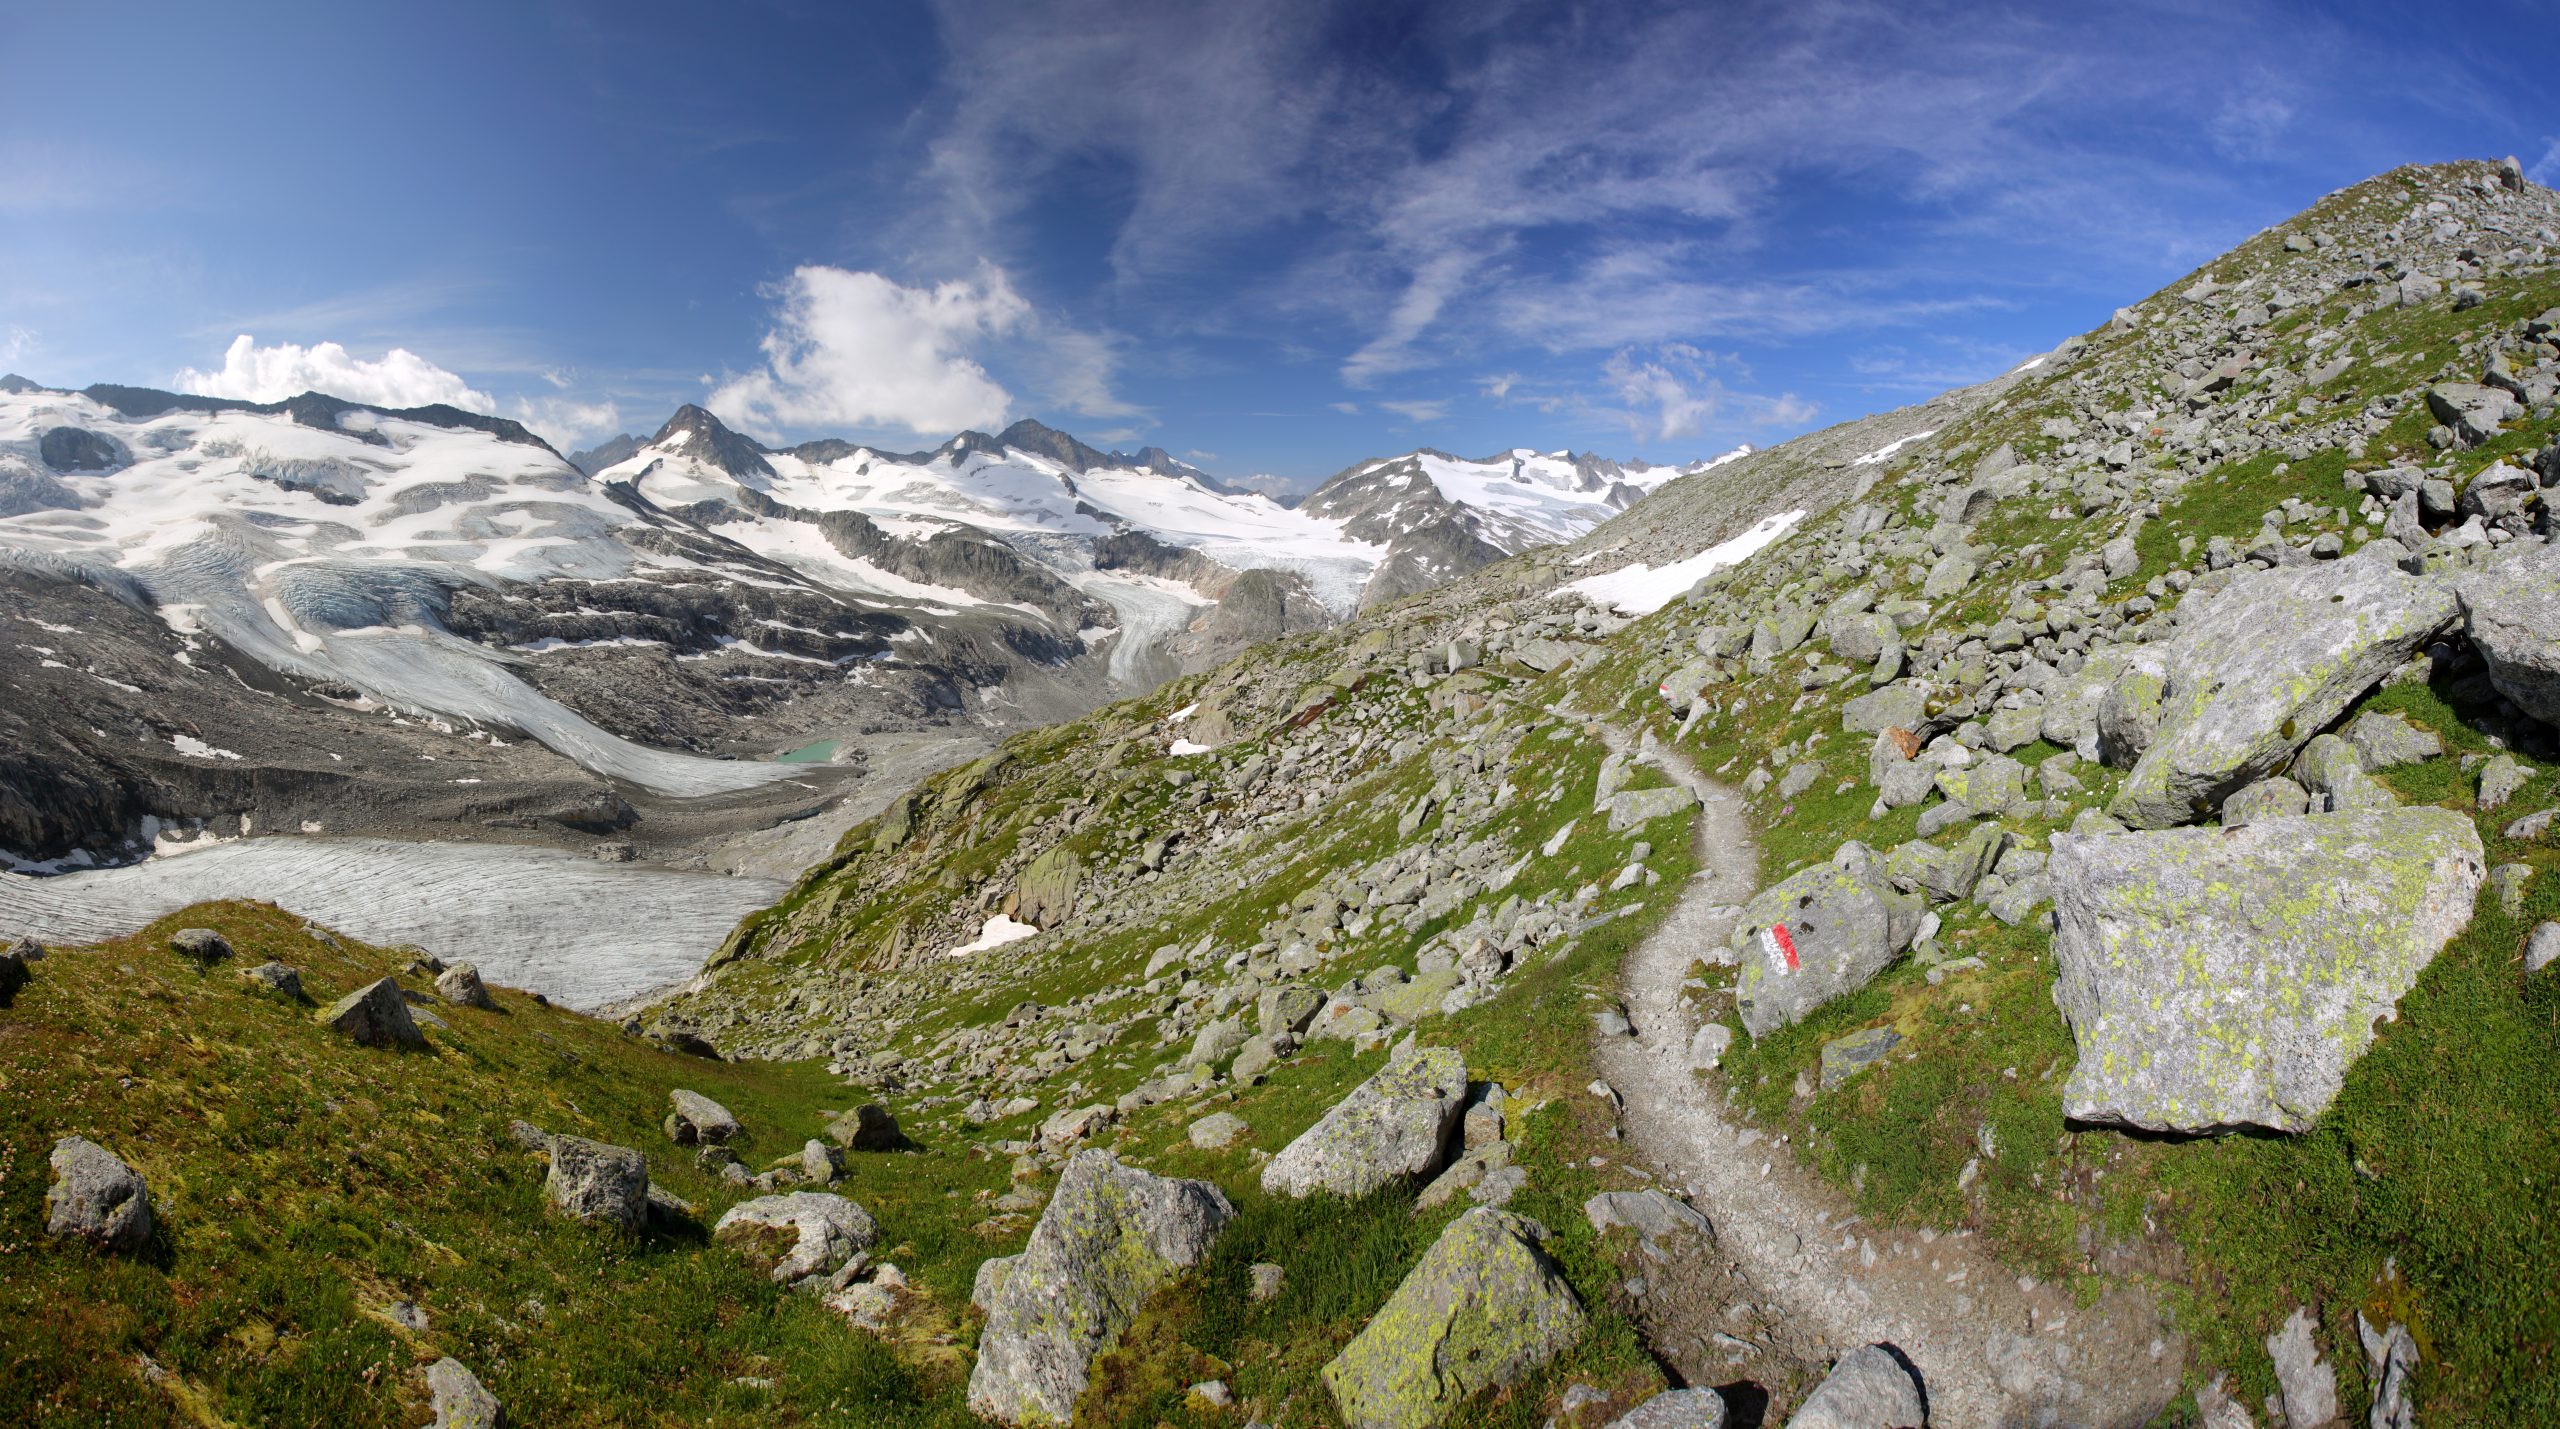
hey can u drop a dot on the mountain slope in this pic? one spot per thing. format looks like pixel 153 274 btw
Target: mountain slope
pixel 1409 818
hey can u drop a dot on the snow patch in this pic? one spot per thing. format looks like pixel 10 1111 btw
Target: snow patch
pixel 1640 589
pixel 998 931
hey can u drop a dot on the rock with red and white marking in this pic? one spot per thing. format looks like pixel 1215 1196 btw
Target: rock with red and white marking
pixel 1820 934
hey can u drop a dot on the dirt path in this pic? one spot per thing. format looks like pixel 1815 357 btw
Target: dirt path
pixel 1994 1349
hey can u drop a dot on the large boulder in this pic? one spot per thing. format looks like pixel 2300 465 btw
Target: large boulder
pixel 591 1181
pixel 96 1197
pixel 1820 934
pixel 2512 611
pixel 461 985
pixel 1111 1237
pixel 697 1120
pixel 2222 978
pixel 375 1015
pixel 459 1400
pixel 801 1238
pixel 1048 888
pixel 1635 808
pixel 1484 1307
pixel 1868 1388
pixel 1395 1124
pixel 2265 666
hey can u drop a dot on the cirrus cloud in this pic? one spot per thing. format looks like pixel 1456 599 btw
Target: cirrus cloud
pixel 399 378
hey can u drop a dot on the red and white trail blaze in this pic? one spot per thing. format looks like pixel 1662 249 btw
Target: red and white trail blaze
pixel 1780 947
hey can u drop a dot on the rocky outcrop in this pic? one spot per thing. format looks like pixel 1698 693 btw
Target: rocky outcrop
pixel 801 1238
pixel 1484 1307
pixel 1396 1124
pixel 2224 978
pixel 1818 935
pixel 97 1198
pixel 2265 666
pixel 1111 1237
pixel 697 1120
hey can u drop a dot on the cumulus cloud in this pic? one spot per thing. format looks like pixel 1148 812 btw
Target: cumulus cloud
pixel 857 349
pixel 399 378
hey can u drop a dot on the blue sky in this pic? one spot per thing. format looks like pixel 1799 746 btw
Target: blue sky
pixel 1271 236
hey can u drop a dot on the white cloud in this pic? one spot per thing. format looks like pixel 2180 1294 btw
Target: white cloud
pixel 16 342
pixel 859 350
pixel 1418 411
pixel 1348 409
pixel 2250 126
pixel 565 422
pixel 2546 170
pixel 1670 396
pixel 399 378
pixel 1195 454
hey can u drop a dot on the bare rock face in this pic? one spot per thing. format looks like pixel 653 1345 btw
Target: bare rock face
pixel 1483 1307
pixel 375 1015
pixel 2269 663
pixel 1111 1237
pixel 96 1198
pixel 2221 978
pixel 1397 1123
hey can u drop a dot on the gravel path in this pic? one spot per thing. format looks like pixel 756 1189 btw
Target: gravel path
pixel 578 931
pixel 1994 1348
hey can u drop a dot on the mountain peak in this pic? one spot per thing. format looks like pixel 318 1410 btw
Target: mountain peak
pixel 708 439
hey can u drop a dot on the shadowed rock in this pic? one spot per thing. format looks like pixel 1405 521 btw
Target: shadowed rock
pixel 375 1015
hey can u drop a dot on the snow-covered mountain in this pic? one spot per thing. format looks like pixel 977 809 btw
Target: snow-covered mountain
pixel 664 626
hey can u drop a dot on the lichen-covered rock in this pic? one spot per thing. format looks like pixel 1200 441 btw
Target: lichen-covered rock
pixel 375 1015
pixel 803 1237
pixel 1844 922
pixel 1868 1388
pixel 1111 1237
pixel 96 1197
pixel 697 1120
pixel 1483 1308
pixel 2386 740
pixel 591 1181
pixel 2265 666
pixel 1634 808
pixel 2275 797
pixel 1395 1124
pixel 2511 608
pixel 2220 978
pixel 1946 874
pixel 1994 785
pixel 459 1400
pixel 278 978
pixel 2332 772
pixel 1048 888
pixel 1902 705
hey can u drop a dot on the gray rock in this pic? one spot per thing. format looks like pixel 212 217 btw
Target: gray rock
pixel 1395 1124
pixel 2271 798
pixel 2225 978
pixel 868 1127
pixel 698 1120
pixel 819 1163
pixel 1708 1046
pixel 1868 1388
pixel 2127 716
pixel 1654 1216
pixel 591 1181
pixel 2268 663
pixel 1995 785
pixel 1267 1280
pixel 2309 1386
pixel 1111 1236
pixel 276 978
pixel 1675 1409
pixel 459 1400
pixel 461 984
pixel 1484 1307
pixel 988 1284
pixel 1287 1008
pixel 2333 773
pixel 1906 784
pixel 1901 705
pixel 2014 727
pixel 2542 948
pixel 2511 609
pixel 1846 1057
pixel 2508 883
pixel 1859 639
pixel 2472 411
pixel 1635 808
pixel 2387 740
pixel 1945 875
pixel 2500 778
pixel 375 1015
pixel 96 1197
pixel 802 1238
pixel 1216 1130
pixel 202 946
pixel 1954 571
pixel 2390 1357
pixel 1845 923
